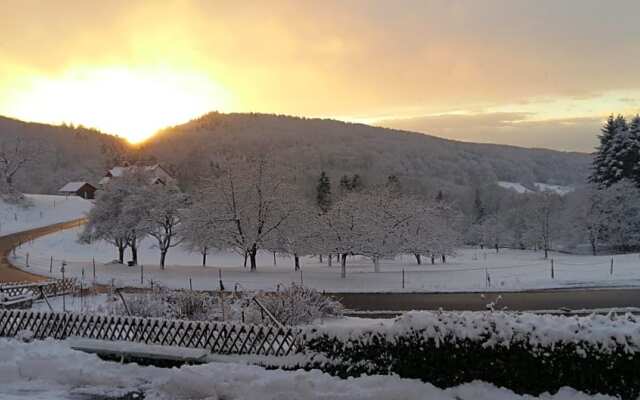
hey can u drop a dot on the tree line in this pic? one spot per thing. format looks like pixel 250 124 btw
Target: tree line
pixel 249 205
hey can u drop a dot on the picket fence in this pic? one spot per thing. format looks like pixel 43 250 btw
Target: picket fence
pixel 217 337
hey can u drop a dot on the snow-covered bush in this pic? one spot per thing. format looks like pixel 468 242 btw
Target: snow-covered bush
pixel 524 352
pixel 295 305
pixel 150 305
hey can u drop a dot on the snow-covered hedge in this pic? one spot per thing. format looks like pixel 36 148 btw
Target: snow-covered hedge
pixel 524 352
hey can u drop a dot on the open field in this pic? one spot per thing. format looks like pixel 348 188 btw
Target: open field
pixel 470 270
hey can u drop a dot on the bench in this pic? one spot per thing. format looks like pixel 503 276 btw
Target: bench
pixel 140 353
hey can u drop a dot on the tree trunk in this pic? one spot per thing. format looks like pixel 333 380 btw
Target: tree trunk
pixel 296 261
pixel 320 258
pixel 163 257
pixel 594 248
pixel 252 257
pixel 330 258
pixel 121 254
pixel 418 258
pixel 433 259
pixel 444 258
pixel 376 264
pixel 546 253
pixel 246 255
pixel 134 254
pixel 343 266
pixel 204 258
pixel 497 248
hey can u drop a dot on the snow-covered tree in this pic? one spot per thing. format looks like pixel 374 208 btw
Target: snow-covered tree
pixel 587 217
pixel 161 216
pixel 246 203
pixel 618 155
pixel 622 209
pixel 298 235
pixel 15 155
pixel 544 219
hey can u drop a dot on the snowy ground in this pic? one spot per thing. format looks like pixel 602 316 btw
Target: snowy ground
pixel 508 270
pixel 43 210
pixel 51 370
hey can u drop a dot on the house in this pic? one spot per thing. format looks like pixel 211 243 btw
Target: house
pixel 158 175
pixel 80 189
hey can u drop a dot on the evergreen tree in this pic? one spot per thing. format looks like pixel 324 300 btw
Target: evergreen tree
pixel 478 207
pixel 323 192
pixel 618 154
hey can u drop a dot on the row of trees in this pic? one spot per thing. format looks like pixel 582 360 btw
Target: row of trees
pixel 603 213
pixel 247 206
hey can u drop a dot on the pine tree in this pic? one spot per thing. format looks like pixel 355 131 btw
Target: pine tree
pixel 633 153
pixel 616 157
pixel 478 207
pixel 323 192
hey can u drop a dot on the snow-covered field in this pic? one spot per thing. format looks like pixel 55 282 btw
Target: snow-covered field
pixel 468 271
pixel 43 210
pixel 51 370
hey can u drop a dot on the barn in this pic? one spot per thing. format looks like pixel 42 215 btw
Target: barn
pixel 80 189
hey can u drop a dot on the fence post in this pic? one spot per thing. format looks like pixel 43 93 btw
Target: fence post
pixel 51 266
pixel 403 278
pixel 64 300
pixel 27 260
pixel 553 275
pixel 94 270
pixel 220 279
pixel 141 274
pixel 190 284
pixel 301 281
pixel 611 268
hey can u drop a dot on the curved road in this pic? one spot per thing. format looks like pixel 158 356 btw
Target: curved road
pixel 9 273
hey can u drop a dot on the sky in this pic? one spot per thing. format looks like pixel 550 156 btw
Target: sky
pixel 541 73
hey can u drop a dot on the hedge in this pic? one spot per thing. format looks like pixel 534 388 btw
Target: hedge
pixel 527 353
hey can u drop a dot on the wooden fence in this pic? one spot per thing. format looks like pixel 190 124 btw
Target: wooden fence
pixel 220 338
pixel 50 288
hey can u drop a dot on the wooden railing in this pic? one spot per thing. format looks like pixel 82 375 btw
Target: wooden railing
pixel 50 288
pixel 220 338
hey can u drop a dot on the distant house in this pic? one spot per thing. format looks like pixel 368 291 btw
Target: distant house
pixel 158 174
pixel 80 189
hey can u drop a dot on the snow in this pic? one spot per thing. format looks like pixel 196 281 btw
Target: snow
pixel 508 270
pixel 72 187
pixel 539 186
pixel 51 370
pixel 518 187
pixel 605 332
pixel 43 210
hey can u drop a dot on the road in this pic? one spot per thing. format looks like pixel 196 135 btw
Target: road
pixel 573 299
pixel 9 273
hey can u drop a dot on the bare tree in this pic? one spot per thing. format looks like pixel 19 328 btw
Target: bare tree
pixel 14 155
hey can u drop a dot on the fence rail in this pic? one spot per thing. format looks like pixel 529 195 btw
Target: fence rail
pixel 50 288
pixel 220 338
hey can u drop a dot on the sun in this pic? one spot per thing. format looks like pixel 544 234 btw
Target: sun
pixel 130 102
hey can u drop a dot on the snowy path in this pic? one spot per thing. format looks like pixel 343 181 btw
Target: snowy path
pixel 510 270
pixel 51 370
pixel 44 210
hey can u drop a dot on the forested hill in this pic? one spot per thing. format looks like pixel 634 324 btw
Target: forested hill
pixel 62 154
pixel 422 162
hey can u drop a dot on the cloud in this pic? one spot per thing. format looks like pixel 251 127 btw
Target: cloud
pixel 571 134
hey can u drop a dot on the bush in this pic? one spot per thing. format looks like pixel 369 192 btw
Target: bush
pixel 526 353
pixel 295 305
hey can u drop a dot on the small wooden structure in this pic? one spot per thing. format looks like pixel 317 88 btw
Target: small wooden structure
pixel 80 189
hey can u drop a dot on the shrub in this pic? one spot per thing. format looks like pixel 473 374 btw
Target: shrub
pixel 526 353
pixel 295 305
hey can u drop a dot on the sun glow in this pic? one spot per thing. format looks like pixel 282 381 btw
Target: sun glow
pixel 133 103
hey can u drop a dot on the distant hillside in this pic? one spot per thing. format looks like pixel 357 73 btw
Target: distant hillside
pixel 65 154
pixel 423 163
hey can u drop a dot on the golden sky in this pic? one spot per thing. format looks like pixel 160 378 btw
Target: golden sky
pixel 536 73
